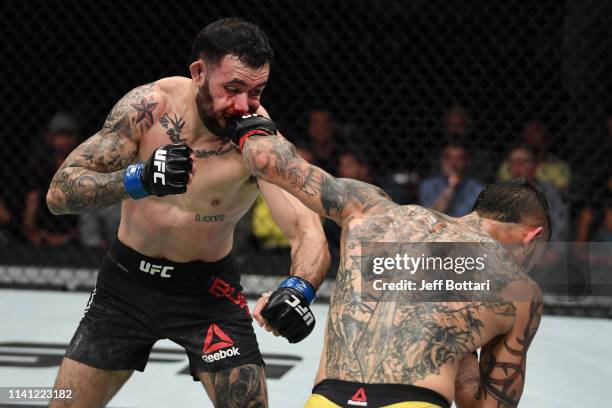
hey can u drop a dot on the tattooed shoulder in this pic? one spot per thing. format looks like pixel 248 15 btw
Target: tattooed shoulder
pixel 134 113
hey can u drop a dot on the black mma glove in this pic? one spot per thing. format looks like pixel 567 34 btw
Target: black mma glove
pixel 166 172
pixel 240 128
pixel 288 311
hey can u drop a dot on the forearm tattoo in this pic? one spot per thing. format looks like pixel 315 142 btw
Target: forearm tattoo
pixel 92 176
pixel 274 159
pixel 503 381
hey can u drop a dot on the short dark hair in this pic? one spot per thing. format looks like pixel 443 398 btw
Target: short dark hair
pixel 514 200
pixel 233 36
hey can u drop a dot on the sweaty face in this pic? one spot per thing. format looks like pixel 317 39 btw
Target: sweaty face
pixel 230 88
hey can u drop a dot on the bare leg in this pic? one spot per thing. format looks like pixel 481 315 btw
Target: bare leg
pixel 91 387
pixel 238 387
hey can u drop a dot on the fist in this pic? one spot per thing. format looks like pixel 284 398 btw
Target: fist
pixel 240 128
pixel 287 312
pixel 166 172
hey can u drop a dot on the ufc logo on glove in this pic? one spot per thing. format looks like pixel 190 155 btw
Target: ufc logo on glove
pixel 302 311
pixel 165 172
pixel 160 166
pixel 288 309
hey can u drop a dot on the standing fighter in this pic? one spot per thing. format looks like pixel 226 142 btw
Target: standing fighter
pixel 170 274
pixel 403 351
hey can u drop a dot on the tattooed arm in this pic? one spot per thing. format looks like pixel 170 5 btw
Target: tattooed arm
pixel 499 379
pixel 91 177
pixel 274 159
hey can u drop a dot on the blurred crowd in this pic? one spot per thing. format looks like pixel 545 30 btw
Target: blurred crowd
pixel 579 199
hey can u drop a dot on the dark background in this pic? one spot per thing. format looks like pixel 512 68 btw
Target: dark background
pixel 390 67
pixel 387 70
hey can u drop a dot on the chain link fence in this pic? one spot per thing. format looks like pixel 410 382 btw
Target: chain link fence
pixel 375 90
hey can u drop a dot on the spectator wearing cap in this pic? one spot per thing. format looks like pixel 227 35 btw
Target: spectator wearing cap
pixel 39 225
pixel 452 191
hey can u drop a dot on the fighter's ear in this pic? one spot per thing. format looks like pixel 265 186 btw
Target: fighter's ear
pixel 531 234
pixel 198 71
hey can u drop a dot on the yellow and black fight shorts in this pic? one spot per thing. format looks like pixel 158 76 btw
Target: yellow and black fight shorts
pixel 336 393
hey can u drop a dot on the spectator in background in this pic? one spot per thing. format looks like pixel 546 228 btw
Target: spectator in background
pixel 305 152
pixel 591 179
pixel 549 168
pixel 263 227
pixel 458 127
pixel 595 220
pixel 457 123
pixel 98 229
pixel 523 163
pixel 451 192
pixel 6 219
pixel 39 225
pixel 322 139
pixel 353 164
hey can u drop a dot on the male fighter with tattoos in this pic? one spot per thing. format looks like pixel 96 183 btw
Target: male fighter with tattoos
pixel 397 350
pixel 170 273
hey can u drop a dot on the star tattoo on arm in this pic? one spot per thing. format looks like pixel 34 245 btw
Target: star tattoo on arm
pixel 145 110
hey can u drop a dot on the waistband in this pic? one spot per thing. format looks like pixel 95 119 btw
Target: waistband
pixel 356 394
pixel 161 269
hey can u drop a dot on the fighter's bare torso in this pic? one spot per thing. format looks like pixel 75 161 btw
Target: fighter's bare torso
pixel 199 224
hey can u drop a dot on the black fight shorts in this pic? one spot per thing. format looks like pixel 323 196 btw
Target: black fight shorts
pixel 331 393
pixel 139 300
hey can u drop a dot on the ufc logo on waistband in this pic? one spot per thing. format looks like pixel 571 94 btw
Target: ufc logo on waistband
pixel 302 311
pixel 153 269
pixel 160 165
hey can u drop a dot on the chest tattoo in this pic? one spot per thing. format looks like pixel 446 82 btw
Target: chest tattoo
pixel 173 127
pixel 203 154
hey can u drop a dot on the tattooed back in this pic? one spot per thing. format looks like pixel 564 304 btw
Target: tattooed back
pixel 400 336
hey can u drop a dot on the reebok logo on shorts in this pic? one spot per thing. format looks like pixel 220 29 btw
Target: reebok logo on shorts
pixel 216 345
pixel 359 399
